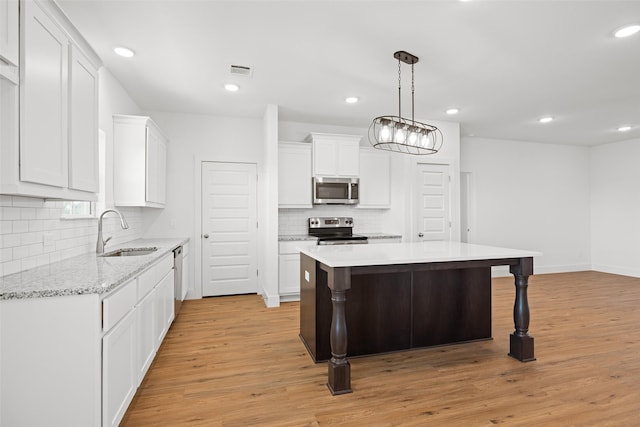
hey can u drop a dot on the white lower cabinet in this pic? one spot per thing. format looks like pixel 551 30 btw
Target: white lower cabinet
pixel 79 359
pixel 145 312
pixel 119 370
pixel 164 307
pixel 289 268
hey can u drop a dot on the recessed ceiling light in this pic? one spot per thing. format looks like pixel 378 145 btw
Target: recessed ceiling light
pixel 123 51
pixel 624 128
pixel 546 119
pixel 453 111
pixel 627 31
pixel 351 100
pixel 232 87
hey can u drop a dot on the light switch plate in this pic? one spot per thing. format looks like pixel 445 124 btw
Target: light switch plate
pixel 306 275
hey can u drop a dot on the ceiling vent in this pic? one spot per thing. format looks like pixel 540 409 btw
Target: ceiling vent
pixel 241 70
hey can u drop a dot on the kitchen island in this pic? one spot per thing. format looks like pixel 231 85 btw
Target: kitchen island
pixel 403 296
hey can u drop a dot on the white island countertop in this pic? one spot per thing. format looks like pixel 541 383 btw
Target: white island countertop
pixel 409 253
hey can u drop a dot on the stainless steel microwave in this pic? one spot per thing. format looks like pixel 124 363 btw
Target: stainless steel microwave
pixel 335 191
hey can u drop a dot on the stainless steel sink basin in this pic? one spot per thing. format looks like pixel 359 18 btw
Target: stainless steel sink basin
pixel 130 252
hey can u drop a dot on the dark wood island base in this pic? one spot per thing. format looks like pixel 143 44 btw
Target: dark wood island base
pixel 402 306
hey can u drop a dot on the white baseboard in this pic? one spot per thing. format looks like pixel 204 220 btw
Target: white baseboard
pixel 623 271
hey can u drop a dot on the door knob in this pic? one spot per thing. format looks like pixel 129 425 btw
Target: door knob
pixel 420 235
pixel 206 236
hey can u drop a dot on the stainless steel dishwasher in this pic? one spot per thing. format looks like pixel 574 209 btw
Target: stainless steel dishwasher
pixel 177 279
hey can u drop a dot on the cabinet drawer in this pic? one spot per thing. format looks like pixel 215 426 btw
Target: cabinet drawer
pixel 115 306
pixel 163 266
pixel 293 247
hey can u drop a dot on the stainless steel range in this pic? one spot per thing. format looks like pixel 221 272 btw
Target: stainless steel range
pixel 334 231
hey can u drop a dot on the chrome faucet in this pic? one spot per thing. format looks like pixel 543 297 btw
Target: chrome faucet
pixel 101 243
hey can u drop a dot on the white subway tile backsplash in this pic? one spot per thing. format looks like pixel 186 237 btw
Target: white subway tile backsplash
pixel 7 213
pixel 33 234
pixel 294 221
pixel 20 226
pixel 6 227
pixel 28 213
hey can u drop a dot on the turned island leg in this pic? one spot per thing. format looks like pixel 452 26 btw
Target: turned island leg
pixel 339 375
pixel 520 342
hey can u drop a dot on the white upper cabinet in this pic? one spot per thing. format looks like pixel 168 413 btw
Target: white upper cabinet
pixel 43 99
pixel 294 175
pixel 51 150
pixel 374 179
pixel 9 34
pixel 335 155
pixel 140 162
pixel 83 120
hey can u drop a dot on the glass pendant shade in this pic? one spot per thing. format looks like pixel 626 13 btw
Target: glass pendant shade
pixel 395 133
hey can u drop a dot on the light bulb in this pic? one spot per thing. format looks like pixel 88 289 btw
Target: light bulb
pixel 413 137
pixel 400 136
pixel 385 133
pixel 424 142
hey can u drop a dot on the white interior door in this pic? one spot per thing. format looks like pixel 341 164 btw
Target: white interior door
pixel 433 202
pixel 229 228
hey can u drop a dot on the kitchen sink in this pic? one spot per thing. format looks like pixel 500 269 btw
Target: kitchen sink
pixel 130 252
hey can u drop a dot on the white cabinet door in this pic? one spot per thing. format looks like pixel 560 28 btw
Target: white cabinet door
pixel 164 307
pixel 119 370
pixel 161 177
pixel 83 123
pixel 152 166
pixel 294 175
pixel 324 158
pixel 375 179
pixel 289 274
pixel 335 155
pixel 9 35
pixel 43 99
pixel 348 158
pixel 139 164
pixel 145 312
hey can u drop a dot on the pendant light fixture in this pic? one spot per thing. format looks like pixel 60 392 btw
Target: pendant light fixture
pixel 395 133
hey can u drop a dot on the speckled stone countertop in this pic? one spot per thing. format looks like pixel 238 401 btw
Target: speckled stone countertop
pixel 85 274
pixel 294 237
pixel 382 236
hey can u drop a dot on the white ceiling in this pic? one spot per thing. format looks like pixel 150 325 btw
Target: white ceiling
pixel 503 63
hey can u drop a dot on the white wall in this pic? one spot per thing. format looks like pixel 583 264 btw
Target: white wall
pixel 32 233
pixel 193 139
pixel 532 196
pixel 615 208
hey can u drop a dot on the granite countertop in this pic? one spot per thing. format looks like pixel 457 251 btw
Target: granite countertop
pixel 85 274
pixel 381 236
pixel 294 237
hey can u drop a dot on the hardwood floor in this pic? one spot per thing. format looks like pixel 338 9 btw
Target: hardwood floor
pixel 229 361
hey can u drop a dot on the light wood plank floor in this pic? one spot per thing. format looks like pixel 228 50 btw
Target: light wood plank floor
pixel 230 361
